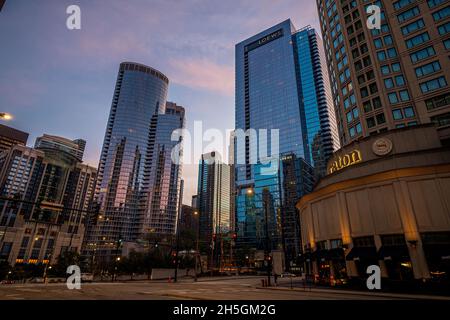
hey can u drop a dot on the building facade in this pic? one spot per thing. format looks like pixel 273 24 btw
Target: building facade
pixel 75 147
pixel 281 84
pixel 138 185
pixel 45 197
pixel 388 77
pixel 214 197
pixel 161 201
pixel 384 202
pixel 10 136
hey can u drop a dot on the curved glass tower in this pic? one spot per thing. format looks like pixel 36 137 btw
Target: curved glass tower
pixel 140 95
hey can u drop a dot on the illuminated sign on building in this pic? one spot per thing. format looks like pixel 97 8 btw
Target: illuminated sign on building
pixel 344 161
pixel 266 39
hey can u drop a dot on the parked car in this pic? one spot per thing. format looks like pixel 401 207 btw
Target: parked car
pixel 7 282
pixel 36 280
pixel 287 275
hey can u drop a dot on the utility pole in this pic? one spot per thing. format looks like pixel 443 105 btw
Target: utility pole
pixel 197 253
pixel 268 258
pixel 177 245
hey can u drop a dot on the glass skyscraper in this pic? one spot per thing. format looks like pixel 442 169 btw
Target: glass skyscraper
pixel 214 203
pixel 138 185
pixel 280 84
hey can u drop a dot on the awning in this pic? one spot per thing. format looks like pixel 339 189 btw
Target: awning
pixel 399 252
pixel 437 251
pixel 361 253
pixel 332 254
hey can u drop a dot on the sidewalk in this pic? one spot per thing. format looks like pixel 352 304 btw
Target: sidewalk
pixel 363 293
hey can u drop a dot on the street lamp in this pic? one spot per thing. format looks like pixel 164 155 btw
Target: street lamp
pixel 197 253
pixel 5 116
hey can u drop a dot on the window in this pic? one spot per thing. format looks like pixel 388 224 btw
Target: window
pixel 396 67
pixel 433 84
pixel 441 14
pixel 364 92
pixel 442 119
pixel 378 43
pixel 408 14
pixel 399 81
pixel 417 40
pixel 370 122
pixel 397 114
pixel 444 29
pixel 412 27
pixel 402 3
pixel 352 132
pixel 349 117
pixel 385 70
pixel 409 112
pixel 6 249
pixel 438 102
pixel 434 3
pixel 393 97
pixel 388 83
pixel 428 69
pixel 422 54
pixel 447 44
pixel 380 118
pixel 367 106
pixel 381 55
pixel 388 40
pixel 364 242
pixel 404 95
pixel 376 102
pixel 391 52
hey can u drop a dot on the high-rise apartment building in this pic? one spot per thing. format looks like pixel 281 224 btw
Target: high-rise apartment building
pixel 161 201
pixel 281 84
pixel 138 183
pixel 74 147
pixel 45 196
pixel 10 136
pixel 388 77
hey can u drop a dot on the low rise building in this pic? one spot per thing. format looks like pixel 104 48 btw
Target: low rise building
pixel 386 202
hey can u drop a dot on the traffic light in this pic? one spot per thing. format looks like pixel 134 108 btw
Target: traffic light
pixel 214 237
pixel 234 236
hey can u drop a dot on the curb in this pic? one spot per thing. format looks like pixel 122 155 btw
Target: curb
pixel 362 293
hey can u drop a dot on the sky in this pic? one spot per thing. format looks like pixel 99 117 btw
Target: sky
pixel 59 81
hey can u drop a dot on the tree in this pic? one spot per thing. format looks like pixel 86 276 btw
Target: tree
pixel 4 269
pixel 65 259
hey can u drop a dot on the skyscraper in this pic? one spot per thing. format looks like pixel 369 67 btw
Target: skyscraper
pixel 388 77
pixel 45 195
pixel 281 84
pixel 214 199
pixel 163 188
pixel 138 185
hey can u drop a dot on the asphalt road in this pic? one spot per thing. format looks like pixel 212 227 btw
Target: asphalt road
pixel 238 288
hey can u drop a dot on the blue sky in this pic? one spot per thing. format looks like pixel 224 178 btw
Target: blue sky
pixel 59 81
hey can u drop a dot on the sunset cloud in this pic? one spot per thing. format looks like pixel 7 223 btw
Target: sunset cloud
pixel 203 74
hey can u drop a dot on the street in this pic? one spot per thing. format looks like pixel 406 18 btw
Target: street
pixel 234 288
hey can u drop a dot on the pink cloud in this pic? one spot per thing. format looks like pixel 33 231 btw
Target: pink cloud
pixel 203 74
